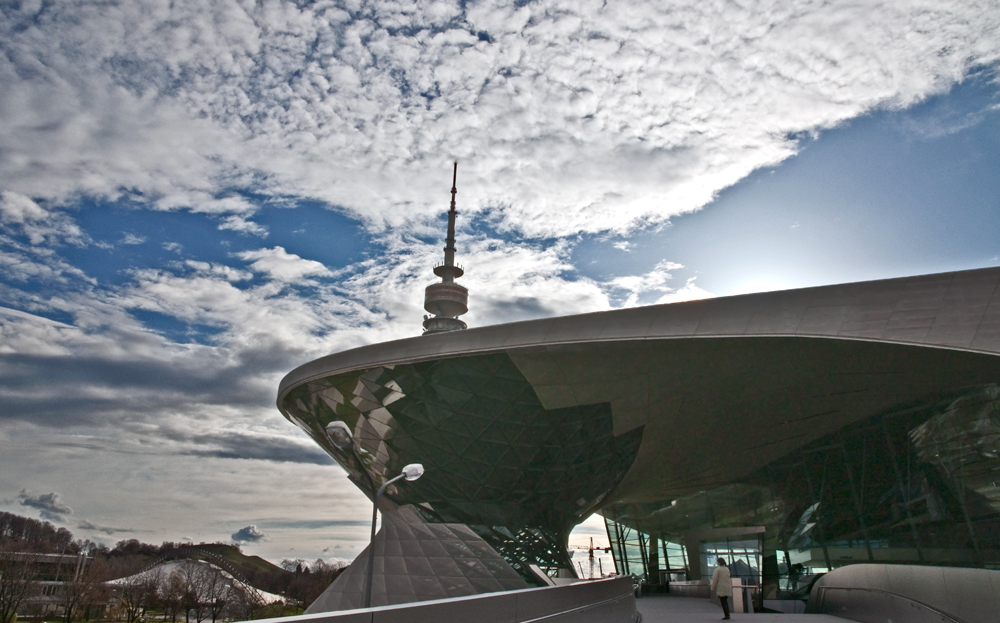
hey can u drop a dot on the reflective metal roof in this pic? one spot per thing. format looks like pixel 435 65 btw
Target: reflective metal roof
pixel 957 310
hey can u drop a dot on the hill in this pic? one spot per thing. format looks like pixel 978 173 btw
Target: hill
pixel 301 581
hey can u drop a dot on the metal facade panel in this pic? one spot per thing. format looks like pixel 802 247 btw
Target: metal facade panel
pixel 867 592
pixel 416 562
pixel 632 323
pixel 952 300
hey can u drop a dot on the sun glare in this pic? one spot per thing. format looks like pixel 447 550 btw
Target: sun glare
pixel 760 283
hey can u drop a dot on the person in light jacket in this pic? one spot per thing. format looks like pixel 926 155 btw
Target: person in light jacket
pixel 722 586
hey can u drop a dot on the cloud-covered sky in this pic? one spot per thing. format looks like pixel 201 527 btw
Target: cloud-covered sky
pixel 196 197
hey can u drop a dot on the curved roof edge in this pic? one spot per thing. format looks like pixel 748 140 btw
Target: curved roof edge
pixel 956 310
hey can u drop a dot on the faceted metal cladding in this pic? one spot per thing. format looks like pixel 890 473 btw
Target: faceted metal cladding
pixel 521 476
pixel 417 561
pixel 852 420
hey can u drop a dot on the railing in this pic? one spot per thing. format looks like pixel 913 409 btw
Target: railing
pixel 742 600
pixel 691 588
pixel 598 601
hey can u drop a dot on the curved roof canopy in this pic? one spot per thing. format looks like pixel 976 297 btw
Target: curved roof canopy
pixel 526 428
pixel 753 376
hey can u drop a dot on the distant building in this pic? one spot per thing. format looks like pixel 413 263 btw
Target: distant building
pixel 57 574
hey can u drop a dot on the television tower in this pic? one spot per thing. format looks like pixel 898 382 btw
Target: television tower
pixel 447 300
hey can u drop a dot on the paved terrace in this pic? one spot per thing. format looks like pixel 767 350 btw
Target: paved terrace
pixel 672 609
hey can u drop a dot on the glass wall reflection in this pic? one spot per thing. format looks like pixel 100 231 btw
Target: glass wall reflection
pixel 917 485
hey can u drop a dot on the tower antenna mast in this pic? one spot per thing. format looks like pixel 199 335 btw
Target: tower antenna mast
pixel 447 300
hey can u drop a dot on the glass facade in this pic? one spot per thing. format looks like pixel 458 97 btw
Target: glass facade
pixel 741 554
pixel 915 485
pixel 637 553
pixel 521 476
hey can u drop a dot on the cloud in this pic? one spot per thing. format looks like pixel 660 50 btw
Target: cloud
pixel 230 445
pixel 50 505
pixel 321 524
pixel 22 217
pixel 567 116
pixel 279 265
pixel 16 208
pixel 130 238
pixel 688 292
pixel 634 286
pixel 249 534
pixel 243 226
pixel 87 525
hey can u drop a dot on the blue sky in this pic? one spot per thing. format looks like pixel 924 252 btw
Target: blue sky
pixel 197 197
pixel 887 194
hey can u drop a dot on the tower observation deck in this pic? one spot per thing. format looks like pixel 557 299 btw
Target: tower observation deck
pixel 447 300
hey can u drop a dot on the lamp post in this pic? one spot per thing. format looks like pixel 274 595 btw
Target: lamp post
pixel 410 472
pixel 341 436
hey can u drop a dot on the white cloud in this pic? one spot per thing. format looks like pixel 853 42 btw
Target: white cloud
pixel 219 270
pixel 130 238
pixel 688 292
pixel 634 286
pixel 240 224
pixel 572 116
pixel 510 282
pixel 16 208
pixel 21 216
pixel 279 265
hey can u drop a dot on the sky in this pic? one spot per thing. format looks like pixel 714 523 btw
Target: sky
pixel 197 197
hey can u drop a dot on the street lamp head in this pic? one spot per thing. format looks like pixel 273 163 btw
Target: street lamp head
pixel 413 471
pixel 340 434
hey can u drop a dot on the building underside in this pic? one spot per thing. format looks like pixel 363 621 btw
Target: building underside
pixel 793 431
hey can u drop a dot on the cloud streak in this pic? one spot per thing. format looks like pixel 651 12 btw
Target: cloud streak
pixel 109 530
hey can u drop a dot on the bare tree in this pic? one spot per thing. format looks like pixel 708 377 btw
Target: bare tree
pixel 172 594
pixel 137 589
pixel 191 598
pixel 246 602
pixel 311 580
pixel 199 580
pixel 84 588
pixel 18 580
pixel 219 592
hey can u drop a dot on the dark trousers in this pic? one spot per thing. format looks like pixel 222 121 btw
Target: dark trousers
pixel 725 605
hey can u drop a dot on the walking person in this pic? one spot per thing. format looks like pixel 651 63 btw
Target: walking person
pixel 722 586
